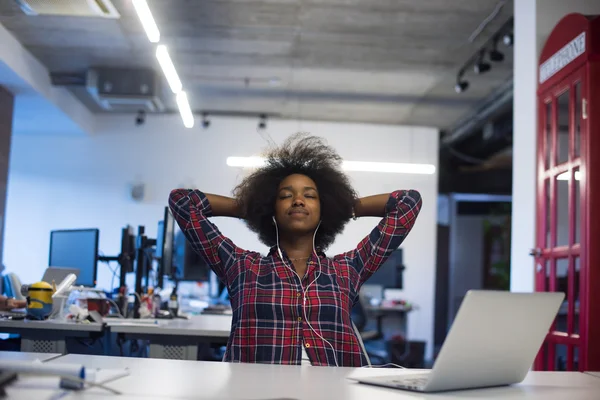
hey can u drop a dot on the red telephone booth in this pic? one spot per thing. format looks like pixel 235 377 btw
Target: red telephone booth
pixel 567 257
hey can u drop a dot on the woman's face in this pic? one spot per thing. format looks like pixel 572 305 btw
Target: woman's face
pixel 297 208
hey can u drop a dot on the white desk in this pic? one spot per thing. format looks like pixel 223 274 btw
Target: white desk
pixel 48 336
pixel 25 356
pixel 596 374
pixel 18 390
pixel 212 380
pixel 176 338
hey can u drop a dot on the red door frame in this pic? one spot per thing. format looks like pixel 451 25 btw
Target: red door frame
pixel 550 252
pixel 585 66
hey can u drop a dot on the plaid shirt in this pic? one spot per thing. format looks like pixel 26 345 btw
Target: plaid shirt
pixel 267 296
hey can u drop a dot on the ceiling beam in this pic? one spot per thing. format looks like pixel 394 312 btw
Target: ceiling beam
pixel 36 77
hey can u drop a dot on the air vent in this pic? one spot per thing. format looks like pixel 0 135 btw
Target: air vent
pixel 124 90
pixel 71 8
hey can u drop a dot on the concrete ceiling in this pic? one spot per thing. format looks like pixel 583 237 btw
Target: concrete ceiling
pixel 381 61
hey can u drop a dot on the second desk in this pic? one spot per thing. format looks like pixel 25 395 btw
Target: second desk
pixel 176 339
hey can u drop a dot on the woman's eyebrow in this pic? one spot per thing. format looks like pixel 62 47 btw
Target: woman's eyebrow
pixel 291 189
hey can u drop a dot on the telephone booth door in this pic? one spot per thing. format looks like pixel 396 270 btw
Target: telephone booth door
pixel 565 183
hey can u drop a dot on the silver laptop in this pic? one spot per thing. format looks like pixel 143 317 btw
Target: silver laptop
pixel 492 342
pixel 57 274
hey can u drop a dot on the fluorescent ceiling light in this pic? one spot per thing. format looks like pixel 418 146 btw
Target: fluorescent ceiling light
pixel 246 162
pixel 566 175
pixel 185 110
pixel 168 68
pixel 398 168
pixel 147 20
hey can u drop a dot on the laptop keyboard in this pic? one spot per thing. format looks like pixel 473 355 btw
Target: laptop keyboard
pixel 12 314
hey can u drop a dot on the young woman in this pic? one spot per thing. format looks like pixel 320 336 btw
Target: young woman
pixel 294 304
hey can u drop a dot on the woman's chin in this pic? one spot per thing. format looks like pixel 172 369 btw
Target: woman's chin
pixel 300 227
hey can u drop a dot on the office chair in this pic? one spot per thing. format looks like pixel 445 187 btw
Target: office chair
pixel 359 321
pixel 12 286
pixel 362 344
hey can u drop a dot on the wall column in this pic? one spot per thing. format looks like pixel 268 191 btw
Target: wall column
pixel 6 119
pixel 534 20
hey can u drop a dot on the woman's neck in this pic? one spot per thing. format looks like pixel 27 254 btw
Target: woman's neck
pixel 299 247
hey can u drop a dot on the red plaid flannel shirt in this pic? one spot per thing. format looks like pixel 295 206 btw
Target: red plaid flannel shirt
pixel 267 296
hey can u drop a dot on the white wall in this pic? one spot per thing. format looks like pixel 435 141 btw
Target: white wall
pixel 75 182
pixel 534 21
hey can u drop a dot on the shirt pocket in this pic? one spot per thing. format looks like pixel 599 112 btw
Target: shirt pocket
pixel 270 301
pixel 329 302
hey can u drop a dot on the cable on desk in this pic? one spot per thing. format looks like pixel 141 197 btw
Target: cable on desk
pixel 138 296
pixel 116 306
pixel 114 272
pixel 384 365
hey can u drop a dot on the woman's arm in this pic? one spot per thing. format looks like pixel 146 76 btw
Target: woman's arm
pixel 399 210
pixel 371 206
pixel 223 206
pixel 191 209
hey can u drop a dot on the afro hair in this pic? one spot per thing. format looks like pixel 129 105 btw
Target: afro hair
pixel 299 154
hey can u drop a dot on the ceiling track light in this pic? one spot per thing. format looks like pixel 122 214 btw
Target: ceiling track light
pixel 477 60
pixel 495 55
pixel 205 121
pixel 262 121
pixel 481 66
pixel 461 84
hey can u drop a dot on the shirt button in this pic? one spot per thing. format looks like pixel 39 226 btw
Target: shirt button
pixel 298 294
pixel 299 319
pixel 307 345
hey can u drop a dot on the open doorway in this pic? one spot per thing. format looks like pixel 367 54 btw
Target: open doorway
pixel 474 232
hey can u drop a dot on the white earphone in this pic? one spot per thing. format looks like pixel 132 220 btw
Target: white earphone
pixel 308 286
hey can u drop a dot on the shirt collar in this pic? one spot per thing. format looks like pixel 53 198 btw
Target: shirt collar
pixel 273 251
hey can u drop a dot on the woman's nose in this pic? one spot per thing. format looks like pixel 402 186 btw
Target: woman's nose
pixel 298 202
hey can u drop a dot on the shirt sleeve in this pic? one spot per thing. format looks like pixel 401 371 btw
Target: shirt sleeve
pixel 191 210
pixel 401 211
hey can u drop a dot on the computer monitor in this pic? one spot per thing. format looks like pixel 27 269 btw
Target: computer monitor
pixel 389 275
pixel 76 248
pixel 127 255
pixel 189 265
pixel 164 243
